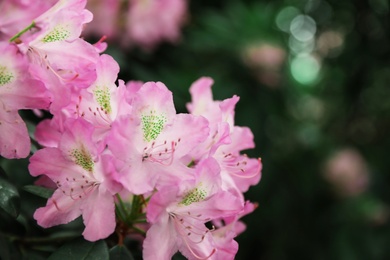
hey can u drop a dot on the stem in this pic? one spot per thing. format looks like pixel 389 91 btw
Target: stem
pixel 142 232
pixel 120 201
pixel 135 207
pixel 142 220
pixel 119 212
pixel 16 36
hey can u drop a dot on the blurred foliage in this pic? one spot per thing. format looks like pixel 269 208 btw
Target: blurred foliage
pixel 330 92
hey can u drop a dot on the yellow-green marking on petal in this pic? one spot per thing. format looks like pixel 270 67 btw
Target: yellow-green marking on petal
pixel 103 97
pixel 194 195
pixel 83 158
pixel 59 33
pixel 152 125
pixel 5 76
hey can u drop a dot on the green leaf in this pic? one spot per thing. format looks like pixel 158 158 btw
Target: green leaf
pixel 9 198
pixel 8 250
pixel 3 174
pixel 81 249
pixel 120 253
pixel 11 225
pixel 39 191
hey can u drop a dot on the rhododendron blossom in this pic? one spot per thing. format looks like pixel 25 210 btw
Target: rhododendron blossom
pixel 238 171
pixel 150 143
pixel 178 215
pixel 59 58
pixel 17 91
pixel 17 14
pixel 82 175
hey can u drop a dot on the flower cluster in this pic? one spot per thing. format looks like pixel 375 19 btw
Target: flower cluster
pixel 107 140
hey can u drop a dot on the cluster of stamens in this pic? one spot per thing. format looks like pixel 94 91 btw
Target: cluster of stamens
pixel 99 116
pixel 75 188
pixel 236 166
pixel 190 233
pixel 161 153
pixel 44 62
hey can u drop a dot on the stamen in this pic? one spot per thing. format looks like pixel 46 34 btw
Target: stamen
pixel 159 153
pixel 186 236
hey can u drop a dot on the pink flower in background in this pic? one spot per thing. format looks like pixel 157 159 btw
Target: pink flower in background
pixel 107 18
pixel 152 21
pixel 17 91
pixel 178 215
pixel 266 62
pixel 145 23
pixel 346 170
pixel 84 186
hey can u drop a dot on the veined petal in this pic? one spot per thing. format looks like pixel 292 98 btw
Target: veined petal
pixel 221 204
pixel 98 215
pixel 14 138
pixel 161 240
pixel 59 209
pixel 202 96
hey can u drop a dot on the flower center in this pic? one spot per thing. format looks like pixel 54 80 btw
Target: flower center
pixel 83 158
pixel 152 125
pixel 103 97
pixel 5 76
pixel 194 195
pixel 59 33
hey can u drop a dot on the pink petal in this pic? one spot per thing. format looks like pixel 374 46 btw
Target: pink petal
pixel 98 215
pixel 14 138
pixel 59 209
pixel 160 241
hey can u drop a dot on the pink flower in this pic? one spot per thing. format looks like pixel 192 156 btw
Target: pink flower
pixel 238 171
pixel 99 104
pixel 178 215
pixel 265 61
pixel 17 91
pixel 220 121
pixel 58 57
pixel 151 21
pixel 227 229
pixel 226 141
pixel 48 132
pixel 18 14
pixel 82 175
pixel 105 18
pixel 102 102
pixel 347 171
pixel 145 23
pixel 149 144
pixel 14 139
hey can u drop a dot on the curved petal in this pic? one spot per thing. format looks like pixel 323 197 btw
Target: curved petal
pixel 98 215
pixel 59 209
pixel 14 138
pixel 160 241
